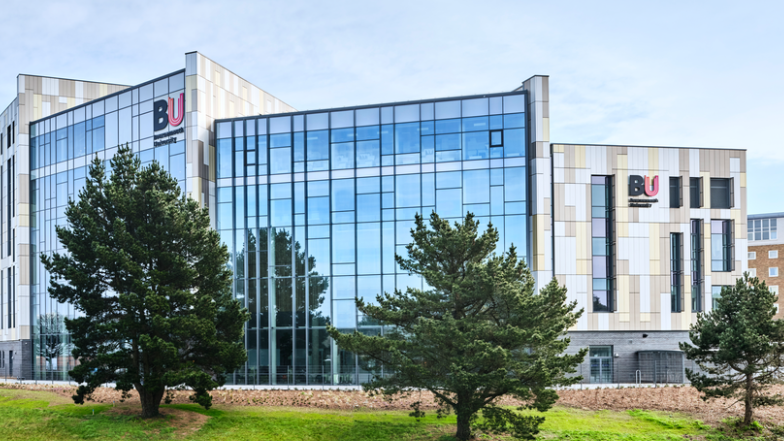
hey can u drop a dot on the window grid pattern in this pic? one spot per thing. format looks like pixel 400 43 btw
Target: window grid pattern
pixel 303 251
pixel 61 150
pixel 762 229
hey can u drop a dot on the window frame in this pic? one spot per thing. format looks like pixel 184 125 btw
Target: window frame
pixel 730 182
pixel 771 270
pixel 676 272
pixel 677 180
pixel 773 254
pixel 696 183
pixel 697 265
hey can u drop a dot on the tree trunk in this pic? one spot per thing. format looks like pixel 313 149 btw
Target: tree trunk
pixel 151 401
pixel 463 425
pixel 749 413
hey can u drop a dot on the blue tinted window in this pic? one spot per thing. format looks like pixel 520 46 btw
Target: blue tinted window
pixel 343 287
pixel 448 142
pixel 282 140
pixel 280 191
pixel 514 121
pixel 318 145
pixel 476 145
pixel 368 207
pixel 177 168
pixel 368 185
pixel 407 138
pixel 368 154
pixel 343 155
pixel 448 179
pixel 98 140
pixel 475 124
pixel 514 184
pixel 343 195
pixel 514 103
pixel 344 118
pixel 280 212
pixel 317 121
pixel 448 126
pixel 319 256
pixel 280 160
pixel 475 107
pixel 343 243
pixel 343 135
pixel 365 133
pixel 366 117
pixel 447 109
pixel 79 140
pixel 428 148
pixel 477 189
pixel 318 188
pixel 387 146
pixel 369 248
pixel 318 210
pixel 514 142
pixel 448 203
pixel 299 147
pixel 407 191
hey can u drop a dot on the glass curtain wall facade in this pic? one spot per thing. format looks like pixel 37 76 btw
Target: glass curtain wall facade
pixel 314 206
pixel 61 150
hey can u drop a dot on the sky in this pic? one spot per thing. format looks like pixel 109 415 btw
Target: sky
pixel 670 73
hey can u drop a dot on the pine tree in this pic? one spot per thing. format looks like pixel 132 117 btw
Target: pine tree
pixel 478 333
pixel 739 347
pixel 149 281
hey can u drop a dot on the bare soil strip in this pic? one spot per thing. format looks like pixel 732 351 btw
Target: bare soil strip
pixel 681 399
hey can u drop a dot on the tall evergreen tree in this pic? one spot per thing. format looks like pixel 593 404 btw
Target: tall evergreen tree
pixel 739 347
pixel 480 331
pixel 149 280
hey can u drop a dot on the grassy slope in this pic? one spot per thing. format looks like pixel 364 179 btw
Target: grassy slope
pixel 29 416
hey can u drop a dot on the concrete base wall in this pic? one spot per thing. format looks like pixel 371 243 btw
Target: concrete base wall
pixel 626 346
pixel 22 361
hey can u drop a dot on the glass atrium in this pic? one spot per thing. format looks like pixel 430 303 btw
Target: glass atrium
pixel 314 206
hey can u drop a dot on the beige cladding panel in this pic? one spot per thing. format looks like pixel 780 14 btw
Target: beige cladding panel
pixel 643 268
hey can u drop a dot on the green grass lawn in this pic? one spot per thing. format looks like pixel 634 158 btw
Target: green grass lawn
pixel 27 415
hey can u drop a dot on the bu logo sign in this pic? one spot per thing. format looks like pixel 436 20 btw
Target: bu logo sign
pixel 639 185
pixel 163 112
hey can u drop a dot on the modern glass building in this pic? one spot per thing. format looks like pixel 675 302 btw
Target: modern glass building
pixel 314 206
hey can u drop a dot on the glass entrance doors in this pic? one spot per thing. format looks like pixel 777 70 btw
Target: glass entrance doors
pixel 601 364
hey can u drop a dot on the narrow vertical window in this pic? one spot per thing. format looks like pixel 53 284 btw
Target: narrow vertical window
pixel 602 243
pixel 676 197
pixel 676 272
pixel 695 193
pixel 696 265
pixel 722 245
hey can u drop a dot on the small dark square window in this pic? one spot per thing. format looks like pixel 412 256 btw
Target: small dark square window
pixel 496 138
pixel 721 193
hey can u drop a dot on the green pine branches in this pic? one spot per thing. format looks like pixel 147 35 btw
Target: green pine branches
pixel 149 280
pixel 479 332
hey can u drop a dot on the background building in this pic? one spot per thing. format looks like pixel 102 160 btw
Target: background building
pixel 765 247
pixel 314 206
